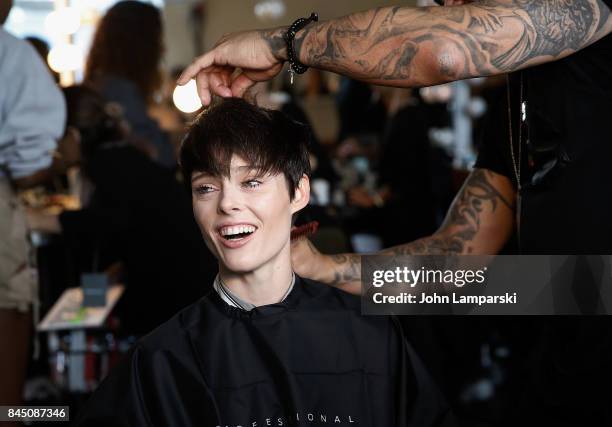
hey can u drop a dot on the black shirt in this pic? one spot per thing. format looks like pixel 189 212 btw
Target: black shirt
pixel 310 359
pixel 566 169
pixel 566 164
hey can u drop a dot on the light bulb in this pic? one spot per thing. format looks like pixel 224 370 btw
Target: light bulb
pixel 66 20
pixel 17 16
pixel 186 97
pixel 65 57
pixel 267 10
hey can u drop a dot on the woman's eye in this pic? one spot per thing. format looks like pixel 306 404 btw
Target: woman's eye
pixel 252 183
pixel 204 189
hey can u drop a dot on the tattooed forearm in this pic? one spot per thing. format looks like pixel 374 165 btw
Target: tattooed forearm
pixel 478 202
pixel 342 270
pixel 347 269
pixel 479 222
pixel 421 46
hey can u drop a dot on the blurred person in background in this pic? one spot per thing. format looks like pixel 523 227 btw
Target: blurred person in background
pixel 404 173
pixel 138 214
pixel 124 66
pixel 32 115
pixel 360 108
pixel 42 48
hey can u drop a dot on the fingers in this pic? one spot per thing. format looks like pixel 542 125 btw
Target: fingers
pixel 240 85
pixel 192 70
pixel 213 80
pixel 203 88
pixel 248 77
pixel 218 83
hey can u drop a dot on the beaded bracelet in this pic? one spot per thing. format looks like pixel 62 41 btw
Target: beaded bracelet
pixel 295 66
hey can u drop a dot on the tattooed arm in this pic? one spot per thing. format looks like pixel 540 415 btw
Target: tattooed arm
pixel 406 46
pixel 479 222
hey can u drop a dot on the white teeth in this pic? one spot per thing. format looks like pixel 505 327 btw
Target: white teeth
pixel 228 231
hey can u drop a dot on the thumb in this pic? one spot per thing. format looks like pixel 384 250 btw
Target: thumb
pixel 241 84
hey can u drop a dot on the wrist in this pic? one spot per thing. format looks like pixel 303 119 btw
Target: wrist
pixel 318 267
pixel 326 272
pixel 294 37
pixel 276 43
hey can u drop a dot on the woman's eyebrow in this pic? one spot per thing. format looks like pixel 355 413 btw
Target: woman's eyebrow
pixel 246 169
pixel 197 175
pixel 234 170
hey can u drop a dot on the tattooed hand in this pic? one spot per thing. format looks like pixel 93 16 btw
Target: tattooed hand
pixel 342 271
pixel 305 258
pixel 236 63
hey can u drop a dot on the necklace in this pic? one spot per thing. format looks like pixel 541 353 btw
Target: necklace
pixel 516 160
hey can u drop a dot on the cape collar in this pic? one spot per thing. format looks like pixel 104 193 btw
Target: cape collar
pixel 234 301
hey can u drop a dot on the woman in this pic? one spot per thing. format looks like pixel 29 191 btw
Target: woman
pixel 265 347
pixel 124 66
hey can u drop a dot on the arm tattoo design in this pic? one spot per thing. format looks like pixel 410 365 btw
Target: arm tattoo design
pixel 464 219
pixel 556 26
pixel 483 38
pixel 276 42
pixel 346 267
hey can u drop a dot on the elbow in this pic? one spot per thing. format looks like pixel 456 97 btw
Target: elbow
pixel 445 63
pixel 448 65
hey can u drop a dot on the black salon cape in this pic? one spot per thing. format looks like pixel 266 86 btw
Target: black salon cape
pixel 310 360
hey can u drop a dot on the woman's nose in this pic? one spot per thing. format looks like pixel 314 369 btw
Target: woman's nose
pixel 229 200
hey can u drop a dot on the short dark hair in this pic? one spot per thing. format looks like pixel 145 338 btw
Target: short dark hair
pixel 267 140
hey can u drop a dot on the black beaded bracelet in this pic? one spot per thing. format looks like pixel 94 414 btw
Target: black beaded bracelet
pixel 295 66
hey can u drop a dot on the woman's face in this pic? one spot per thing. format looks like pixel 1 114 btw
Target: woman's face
pixel 246 218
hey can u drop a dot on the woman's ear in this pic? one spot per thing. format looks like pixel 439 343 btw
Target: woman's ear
pixel 301 196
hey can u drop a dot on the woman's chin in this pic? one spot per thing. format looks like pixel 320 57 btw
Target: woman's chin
pixel 240 266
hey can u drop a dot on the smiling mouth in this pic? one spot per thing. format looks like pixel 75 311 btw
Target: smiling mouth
pixel 236 233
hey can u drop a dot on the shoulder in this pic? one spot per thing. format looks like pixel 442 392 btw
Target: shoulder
pixel 331 319
pixel 116 88
pixel 116 82
pixel 10 43
pixel 330 301
pixel 173 335
pixel 17 53
pixel 326 297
